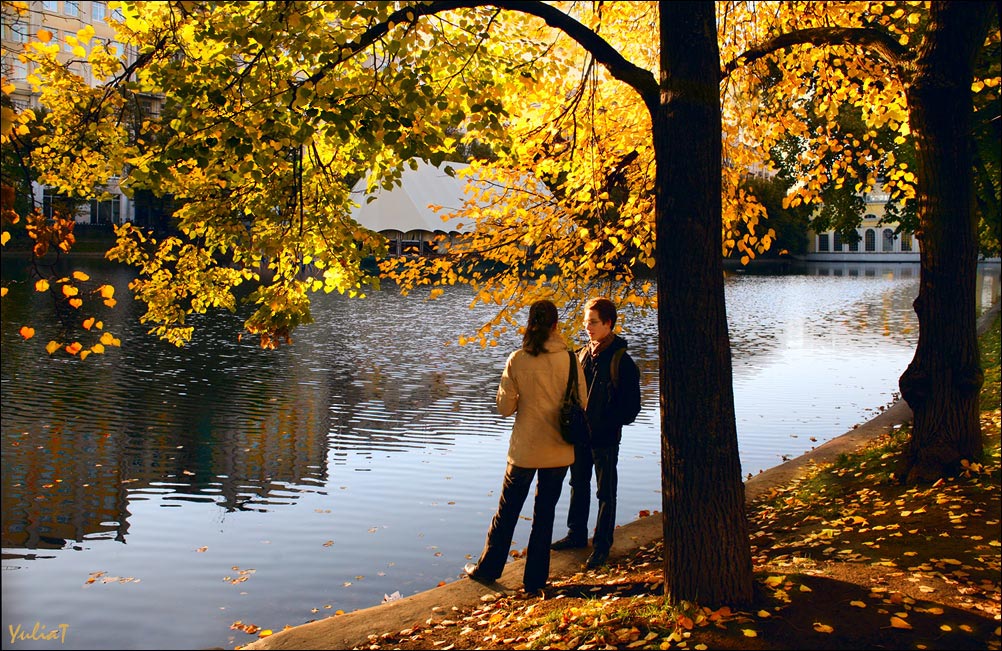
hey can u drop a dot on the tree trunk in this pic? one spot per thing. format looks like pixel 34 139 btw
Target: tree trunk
pixel 943 380
pixel 707 553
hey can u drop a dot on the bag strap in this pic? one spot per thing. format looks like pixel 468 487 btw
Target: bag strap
pixel 572 376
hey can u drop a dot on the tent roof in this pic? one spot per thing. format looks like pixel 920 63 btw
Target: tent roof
pixel 405 207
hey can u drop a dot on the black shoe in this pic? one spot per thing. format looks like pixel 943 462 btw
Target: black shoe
pixel 471 571
pixel 569 543
pixel 531 591
pixel 597 559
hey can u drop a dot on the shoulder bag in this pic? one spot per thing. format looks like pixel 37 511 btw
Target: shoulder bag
pixel 574 425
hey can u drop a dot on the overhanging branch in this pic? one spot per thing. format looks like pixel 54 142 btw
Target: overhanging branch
pixel 870 38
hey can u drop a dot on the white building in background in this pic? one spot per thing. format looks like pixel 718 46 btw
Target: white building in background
pixel 64 18
pixel 877 242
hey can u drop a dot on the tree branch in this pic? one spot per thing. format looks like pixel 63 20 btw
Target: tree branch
pixel 870 38
pixel 643 81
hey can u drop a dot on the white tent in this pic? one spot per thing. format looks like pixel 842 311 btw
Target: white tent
pixel 405 208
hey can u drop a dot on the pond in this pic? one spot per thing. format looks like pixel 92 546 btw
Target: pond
pixel 154 496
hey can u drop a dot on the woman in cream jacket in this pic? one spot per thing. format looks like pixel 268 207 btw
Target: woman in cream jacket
pixel 532 387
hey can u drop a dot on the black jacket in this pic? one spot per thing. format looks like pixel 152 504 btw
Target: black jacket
pixel 609 408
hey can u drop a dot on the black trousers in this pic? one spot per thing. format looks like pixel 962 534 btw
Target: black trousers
pixel 514 490
pixel 604 461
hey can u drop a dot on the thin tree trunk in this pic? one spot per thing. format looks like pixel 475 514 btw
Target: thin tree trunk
pixel 707 554
pixel 943 380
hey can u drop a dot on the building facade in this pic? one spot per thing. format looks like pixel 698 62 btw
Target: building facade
pixel 877 242
pixel 64 18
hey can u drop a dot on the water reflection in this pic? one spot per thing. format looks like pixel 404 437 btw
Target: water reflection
pixel 370 433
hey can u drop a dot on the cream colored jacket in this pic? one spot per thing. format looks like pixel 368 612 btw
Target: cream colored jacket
pixel 532 388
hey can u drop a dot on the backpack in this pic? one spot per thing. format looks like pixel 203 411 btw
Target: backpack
pixel 613 365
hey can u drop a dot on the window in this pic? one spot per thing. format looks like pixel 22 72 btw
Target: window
pixel 71 8
pixel 50 5
pixel 838 241
pixel 149 107
pixel 14 68
pixel 97 11
pixel 823 242
pixel 19 32
pixel 888 240
pixel 106 212
pixel 906 242
pixel 854 245
pixel 870 240
pixel 53 202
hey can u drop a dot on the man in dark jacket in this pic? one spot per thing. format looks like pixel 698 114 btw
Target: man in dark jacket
pixel 613 401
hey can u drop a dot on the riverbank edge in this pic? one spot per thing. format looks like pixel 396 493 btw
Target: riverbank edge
pixel 352 630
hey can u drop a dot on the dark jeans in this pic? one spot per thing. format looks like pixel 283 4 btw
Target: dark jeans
pixel 604 461
pixel 514 490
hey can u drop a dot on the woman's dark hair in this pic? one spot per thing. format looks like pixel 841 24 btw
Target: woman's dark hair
pixel 542 318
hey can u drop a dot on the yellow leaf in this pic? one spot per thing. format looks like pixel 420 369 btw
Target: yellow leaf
pixel 858 604
pixel 52 346
pixel 897 622
pixel 774 581
pixel 265 633
pixel 70 290
pixel 823 628
pixel 74 348
pixel 81 276
pixel 107 291
pixel 27 332
pixel 44 35
pixel 3 291
pixel 4 238
pixel 84 354
pixel 749 632
pixel 75 302
pixel 88 323
pixel 42 285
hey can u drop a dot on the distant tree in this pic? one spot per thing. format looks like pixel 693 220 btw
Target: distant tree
pixel 790 224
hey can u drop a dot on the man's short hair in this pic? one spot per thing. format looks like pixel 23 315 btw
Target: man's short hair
pixel 606 309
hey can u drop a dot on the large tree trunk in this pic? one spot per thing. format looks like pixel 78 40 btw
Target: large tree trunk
pixel 942 382
pixel 707 554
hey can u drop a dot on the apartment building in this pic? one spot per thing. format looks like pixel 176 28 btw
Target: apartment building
pixel 64 18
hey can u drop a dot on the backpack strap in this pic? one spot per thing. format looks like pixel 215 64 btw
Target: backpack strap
pixel 614 367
